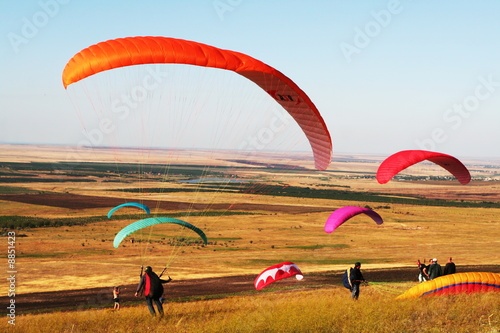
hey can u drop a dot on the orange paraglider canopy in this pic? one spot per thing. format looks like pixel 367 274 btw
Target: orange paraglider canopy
pixel 459 283
pixel 132 51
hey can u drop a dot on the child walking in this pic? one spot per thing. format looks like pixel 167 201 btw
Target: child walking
pixel 116 298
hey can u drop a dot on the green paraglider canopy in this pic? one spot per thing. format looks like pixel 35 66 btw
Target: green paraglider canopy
pixel 138 225
pixel 129 204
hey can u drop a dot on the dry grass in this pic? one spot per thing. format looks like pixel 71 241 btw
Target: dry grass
pixel 323 310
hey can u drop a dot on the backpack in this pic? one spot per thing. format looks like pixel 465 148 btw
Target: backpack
pixel 346 278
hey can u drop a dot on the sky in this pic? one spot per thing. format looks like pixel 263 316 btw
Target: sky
pixel 385 75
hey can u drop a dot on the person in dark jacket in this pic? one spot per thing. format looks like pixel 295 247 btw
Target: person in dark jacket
pixel 426 270
pixel 434 270
pixel 151 286
pixel 450 267
pixel 356 278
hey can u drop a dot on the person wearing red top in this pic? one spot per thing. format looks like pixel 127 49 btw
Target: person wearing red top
pixel 151 286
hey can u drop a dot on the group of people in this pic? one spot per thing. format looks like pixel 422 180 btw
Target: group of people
pixel 151 286
pixel 434 270
pixel 426 273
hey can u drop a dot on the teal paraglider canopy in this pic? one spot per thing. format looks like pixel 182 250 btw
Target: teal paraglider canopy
pixel 129 204
pixel 138 225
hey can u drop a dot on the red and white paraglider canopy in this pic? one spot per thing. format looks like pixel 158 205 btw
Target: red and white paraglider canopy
pixel 277 272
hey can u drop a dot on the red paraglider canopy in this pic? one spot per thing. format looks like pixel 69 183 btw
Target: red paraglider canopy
pixel 406 158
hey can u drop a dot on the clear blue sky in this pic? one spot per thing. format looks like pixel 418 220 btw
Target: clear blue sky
pixel 385 75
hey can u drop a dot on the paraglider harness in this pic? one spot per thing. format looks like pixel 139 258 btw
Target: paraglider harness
pixel 346 279
pixel 159 276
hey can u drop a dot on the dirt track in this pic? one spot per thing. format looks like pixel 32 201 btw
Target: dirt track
pixel 71 300
pixel 76 201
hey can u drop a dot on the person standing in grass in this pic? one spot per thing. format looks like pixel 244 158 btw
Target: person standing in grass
pixel 450 267
pixel 116 298
pixel 152 287
pixel 356 278
pixel 422 277
pixel 434 270
pixel 426 270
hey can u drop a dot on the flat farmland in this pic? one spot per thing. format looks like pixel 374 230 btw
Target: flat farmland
pixel 255 214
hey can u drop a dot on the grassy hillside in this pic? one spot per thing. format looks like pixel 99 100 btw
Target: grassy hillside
pixel 323 310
